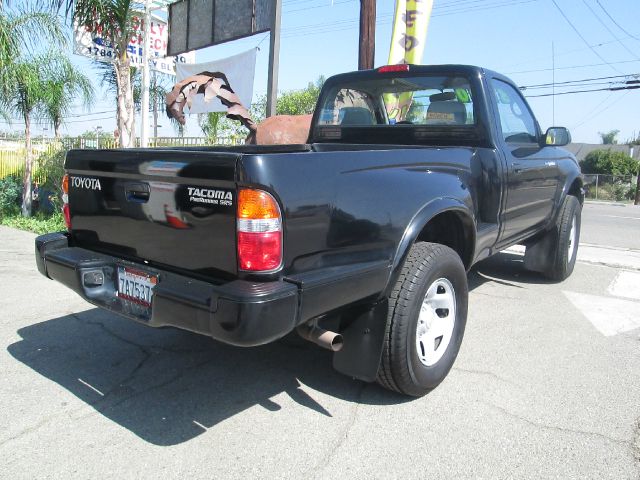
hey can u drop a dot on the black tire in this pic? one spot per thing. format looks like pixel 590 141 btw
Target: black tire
pixel 401 369
pixel 562 263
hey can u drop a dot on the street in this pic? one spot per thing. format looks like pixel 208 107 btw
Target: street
pixel 547 385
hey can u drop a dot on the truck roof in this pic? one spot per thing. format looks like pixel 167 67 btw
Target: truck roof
pixel 458 69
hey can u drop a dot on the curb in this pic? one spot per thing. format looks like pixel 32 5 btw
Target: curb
pixel 612 204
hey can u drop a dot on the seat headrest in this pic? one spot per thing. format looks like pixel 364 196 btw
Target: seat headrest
pixel 356 116
pixel 449 112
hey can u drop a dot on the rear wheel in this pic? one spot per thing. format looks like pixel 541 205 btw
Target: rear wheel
pixel 426 320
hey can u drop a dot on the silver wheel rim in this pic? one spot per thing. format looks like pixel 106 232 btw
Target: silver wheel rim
pixel 436 320
pixel 572 239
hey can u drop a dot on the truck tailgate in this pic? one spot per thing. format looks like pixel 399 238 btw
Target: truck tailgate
pixel 171 208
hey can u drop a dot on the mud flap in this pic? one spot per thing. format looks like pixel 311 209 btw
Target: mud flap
pixel 363 342
pixel 539 256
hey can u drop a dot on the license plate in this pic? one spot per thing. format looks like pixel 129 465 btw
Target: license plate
pixel 136 286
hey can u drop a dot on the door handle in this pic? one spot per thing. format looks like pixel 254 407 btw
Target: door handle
pixel 137 192
pixel 517 167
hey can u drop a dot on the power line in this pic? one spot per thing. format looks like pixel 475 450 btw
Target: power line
pixel 611 89
pixel 579 81
pixel 581 37
pixel 601 111
pixel 42 123
pixel 571 67
pixel 566 52
pixel 348 24
pixel 616 23
pixel 609 30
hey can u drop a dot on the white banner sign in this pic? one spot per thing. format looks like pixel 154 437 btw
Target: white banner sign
pixel 91 44
pixel 239 69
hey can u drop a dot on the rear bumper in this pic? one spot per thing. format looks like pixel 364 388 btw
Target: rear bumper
pixel 239 312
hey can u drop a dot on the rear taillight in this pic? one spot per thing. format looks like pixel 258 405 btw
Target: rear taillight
pixel 65 201
pixel 259 231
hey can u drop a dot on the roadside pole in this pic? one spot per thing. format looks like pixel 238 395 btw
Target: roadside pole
pixel 274 59
pixel 144 110
pixel 367 50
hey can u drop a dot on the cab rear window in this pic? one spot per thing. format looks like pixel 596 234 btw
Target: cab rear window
pixel 426 100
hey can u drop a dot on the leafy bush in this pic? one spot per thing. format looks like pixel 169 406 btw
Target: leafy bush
pixel 39 223
pixel 608 162
pixel 617 191
pixel 51 167
pixel 10 196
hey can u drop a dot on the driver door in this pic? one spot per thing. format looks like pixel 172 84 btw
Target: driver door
pixel 532 170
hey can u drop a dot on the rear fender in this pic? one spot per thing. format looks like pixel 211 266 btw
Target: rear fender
pixel 364 336
pixel 416 226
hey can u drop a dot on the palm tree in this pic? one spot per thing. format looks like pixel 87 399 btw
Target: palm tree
pixel 115 21
pixel 61 90
pixel 210 124
pixel 20 79
pixel 19 32
pixel 21 101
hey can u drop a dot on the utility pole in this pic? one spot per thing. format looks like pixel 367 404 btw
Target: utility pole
pixel 146 38
pixel 155 109
pixel 553 80
pixel 367 51
pixel 637 199
pixel 274 59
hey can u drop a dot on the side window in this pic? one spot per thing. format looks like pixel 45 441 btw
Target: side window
pixel 518 125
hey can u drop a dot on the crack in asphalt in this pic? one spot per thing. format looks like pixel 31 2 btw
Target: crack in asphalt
pixel 322 465
pixel 102 408
pixel 635 445
pixel 611 265
pixel 487 373
pixel 501 297
pixel 618 441
pixel 104 403
pixel 30 429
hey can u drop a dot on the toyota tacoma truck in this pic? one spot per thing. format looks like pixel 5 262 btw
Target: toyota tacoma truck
pixel 360 240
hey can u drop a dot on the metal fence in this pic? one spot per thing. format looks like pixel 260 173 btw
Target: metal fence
pixel 12 162
pixel 618 188
pixel 12 154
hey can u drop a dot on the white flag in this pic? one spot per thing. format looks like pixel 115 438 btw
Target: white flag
pixel 239 69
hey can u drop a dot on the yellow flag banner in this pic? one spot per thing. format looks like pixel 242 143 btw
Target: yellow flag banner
pixel 407 46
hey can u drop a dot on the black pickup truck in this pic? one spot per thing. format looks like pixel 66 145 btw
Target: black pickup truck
pixel 360 239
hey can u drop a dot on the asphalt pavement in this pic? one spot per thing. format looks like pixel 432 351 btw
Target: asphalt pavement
pixel 547 385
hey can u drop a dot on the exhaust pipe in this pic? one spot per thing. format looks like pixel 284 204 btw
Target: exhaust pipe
pixel 326 339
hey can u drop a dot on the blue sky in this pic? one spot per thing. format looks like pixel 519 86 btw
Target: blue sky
pixel 513 37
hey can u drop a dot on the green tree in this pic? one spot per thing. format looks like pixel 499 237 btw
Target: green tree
pixel 65 85
pixel 634 141
pixel 21 85
pixel 609 138
pixel 210 124
pixel 20 30
pixel 300 102
pixel 608 162
pixel 117 24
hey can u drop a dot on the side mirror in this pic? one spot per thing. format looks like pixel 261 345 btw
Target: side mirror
pixel 557 137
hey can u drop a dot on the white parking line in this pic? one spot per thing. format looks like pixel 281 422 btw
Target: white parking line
pixel 620 216
pixel 601 255
pixel 626 285
pixel 610 256
pixel 609 315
